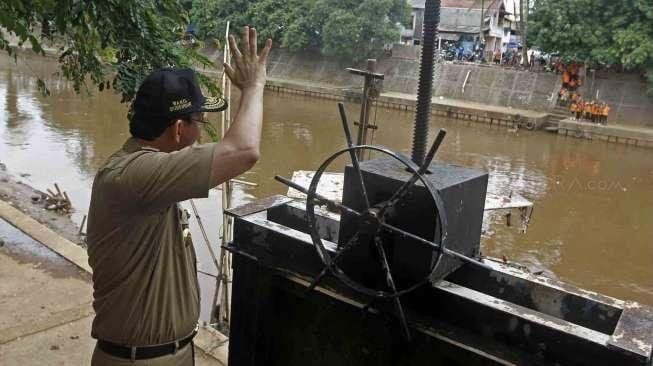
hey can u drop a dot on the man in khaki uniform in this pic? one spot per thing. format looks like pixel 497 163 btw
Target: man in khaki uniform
pixel 146 294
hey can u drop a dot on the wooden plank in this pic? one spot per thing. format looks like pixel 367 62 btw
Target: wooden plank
pixel 41 233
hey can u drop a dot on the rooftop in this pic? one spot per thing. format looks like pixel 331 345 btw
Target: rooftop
pixel 462 4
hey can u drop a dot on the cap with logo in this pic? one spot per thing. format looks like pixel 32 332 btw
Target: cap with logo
pixel 170 93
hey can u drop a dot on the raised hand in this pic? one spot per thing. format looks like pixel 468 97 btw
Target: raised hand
pixel 248 67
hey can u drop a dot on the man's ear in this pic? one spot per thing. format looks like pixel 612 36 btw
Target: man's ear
pixel 176 130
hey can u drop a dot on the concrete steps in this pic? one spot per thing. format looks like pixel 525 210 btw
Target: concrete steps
pixel 558 114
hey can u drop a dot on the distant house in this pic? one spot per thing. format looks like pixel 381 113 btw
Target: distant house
pixel 460 21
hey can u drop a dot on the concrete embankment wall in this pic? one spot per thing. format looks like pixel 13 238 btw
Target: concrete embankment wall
pixel 489 85
pixel 626 93
pixel 484 84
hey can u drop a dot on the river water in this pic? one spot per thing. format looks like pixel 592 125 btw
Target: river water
pixel 592 223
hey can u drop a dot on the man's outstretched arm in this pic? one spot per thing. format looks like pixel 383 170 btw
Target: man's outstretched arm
pixel 239 149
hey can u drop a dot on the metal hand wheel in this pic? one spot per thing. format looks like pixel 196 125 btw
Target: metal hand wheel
pixel 374 219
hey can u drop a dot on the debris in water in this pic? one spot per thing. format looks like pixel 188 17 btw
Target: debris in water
pixel 58 201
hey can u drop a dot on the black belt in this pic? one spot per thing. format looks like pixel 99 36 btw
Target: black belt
pixel 143 353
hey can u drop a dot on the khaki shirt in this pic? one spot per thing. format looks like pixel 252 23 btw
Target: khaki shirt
pixel 144 268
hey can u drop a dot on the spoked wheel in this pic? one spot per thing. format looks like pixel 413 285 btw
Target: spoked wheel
pixel 374 222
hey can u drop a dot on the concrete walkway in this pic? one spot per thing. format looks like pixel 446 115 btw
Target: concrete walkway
pixel 405 97
pixel 630 135
pixel 451 108
pixel 462 104
pixel 45 299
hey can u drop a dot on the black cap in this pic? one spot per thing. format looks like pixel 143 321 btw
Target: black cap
pixel 167 94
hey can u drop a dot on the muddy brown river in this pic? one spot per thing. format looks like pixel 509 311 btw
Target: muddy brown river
pixel 593 219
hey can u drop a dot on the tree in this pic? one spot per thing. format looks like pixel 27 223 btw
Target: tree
pixel 342 28
pixel 211 16
pixel 341 34
pixel 606 32
pixel 115 44
pixel 377 25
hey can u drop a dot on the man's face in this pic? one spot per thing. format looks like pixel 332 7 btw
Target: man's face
pixel 191 130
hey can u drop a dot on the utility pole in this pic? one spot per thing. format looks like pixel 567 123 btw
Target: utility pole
pixel 481 39
pixel 523 14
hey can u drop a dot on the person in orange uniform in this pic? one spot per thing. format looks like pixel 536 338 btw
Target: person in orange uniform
pixel 573 108
pixel 596 112
pixel 588 111
pixel 580 104
pixel 605 113
pixel 566 77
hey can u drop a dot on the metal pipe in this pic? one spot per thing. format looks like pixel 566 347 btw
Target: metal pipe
pixel 220 314
pixel 466 79
pixel 425 86
pixel 365 105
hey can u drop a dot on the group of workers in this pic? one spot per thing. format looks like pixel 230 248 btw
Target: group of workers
pixel 593 111
pixel 571 75
pixel 581 110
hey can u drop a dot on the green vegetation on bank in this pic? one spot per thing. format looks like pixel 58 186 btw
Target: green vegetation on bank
pixel 608 32
pixel 351 29
pixel 115 43
pixel 112 43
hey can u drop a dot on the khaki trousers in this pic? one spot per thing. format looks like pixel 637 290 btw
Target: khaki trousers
pixel 184 357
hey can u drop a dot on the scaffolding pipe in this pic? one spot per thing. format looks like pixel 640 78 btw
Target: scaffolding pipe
pixel 220 296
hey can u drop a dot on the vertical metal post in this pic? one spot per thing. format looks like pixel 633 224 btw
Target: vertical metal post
pixel 220 313
pixel 365 105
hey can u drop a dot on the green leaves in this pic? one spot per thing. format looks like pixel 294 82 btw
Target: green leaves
pixel 211 16
pixel 343 28
pixel 608 31
pixel 341 34
pixel 112 43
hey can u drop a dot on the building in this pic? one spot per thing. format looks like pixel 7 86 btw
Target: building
pixel 460 23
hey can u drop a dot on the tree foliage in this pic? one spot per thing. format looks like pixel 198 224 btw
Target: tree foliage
pixel 113 43
pixel 606 32
pixel 211 16
pixel 345 28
